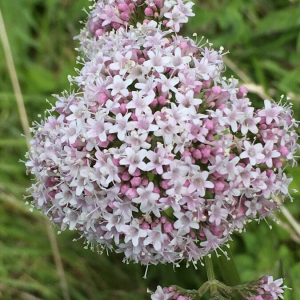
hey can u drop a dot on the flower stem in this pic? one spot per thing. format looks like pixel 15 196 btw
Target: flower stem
pixel 228 269
pixel 229 272
pixel 210 273
pixel 209 268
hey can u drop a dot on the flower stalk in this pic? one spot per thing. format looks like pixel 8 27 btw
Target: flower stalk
pixel 210 274
pixel 229 270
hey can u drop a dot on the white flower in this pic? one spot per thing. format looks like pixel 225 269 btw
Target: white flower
pixel 134 160
pixel 121 126
pixel 133 232
pixel 176 17
pixel 119 86
pixel 157 61
pixel 148 199
pixel 167 83
pixel 139 102
pixel 178 61
pixel 123 63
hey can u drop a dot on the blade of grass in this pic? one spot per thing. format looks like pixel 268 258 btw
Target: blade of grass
pixel 26 129
pixel 14 80
pixel 250 85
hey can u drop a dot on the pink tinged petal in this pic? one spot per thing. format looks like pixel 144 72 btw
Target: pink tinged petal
pixel 157 245
pixel 124 92
pixel 209 184
pixel 244 154
pixel 252 160
pixel 132 169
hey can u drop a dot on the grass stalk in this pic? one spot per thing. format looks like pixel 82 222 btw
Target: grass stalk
pixel 26 129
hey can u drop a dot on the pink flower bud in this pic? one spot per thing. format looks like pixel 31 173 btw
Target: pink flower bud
pixel 123 108
pixel 159 3
pixel 154 103
pixel 242 91
pixel 197 154
pixel 116 161
pixel 148 12
pixel 99 32
pixel 123 7
pixel 131 6
pixel 163 220
pixel 162 100
pixel 136 181
pixel 145 225
pixel 131 193
pixel 126 176
pixel 216 90
pixel 192 234
pixel 206 152
pixel 102 98
pixel 197 89
pixel 125 188
pixel 103 144
pixel 277 163
pixel 206 84
pixel 168 227
pixel 145 182
pixel 153 225
pixel 125 16
pixel 209 124
pixel 164 184
pixel 283 150
pixel 116 25
pixel 156 189
pixel 183 45
pixel 219 186
pixel 141 60
pixel 186 184
pixel 134 117
pixel 137 172
pixel 111 137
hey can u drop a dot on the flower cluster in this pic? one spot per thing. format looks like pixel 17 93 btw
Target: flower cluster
pixel 169 293
pixel 155 154
pixel 266 289
pixel 107 15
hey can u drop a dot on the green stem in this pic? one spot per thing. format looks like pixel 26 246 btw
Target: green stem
pixel 209 268
pixel 210 273
pixel 229 271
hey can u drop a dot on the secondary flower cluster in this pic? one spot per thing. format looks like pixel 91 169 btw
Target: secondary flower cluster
pixel 155 154
pixel 169 293
pixel 107 15
pixel 266 289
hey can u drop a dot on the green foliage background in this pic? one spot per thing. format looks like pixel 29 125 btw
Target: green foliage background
pixel 264 40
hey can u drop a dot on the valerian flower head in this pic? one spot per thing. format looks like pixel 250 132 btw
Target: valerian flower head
pixel 265 288
pixel 155 154
pixel 268 289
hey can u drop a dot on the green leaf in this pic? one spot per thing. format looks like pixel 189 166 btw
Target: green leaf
pixel 279 21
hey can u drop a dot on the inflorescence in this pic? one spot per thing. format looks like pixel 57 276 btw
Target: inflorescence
pixel 265 288
pixel 154 153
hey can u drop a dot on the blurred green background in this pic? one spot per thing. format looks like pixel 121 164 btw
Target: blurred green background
pixel 264 42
